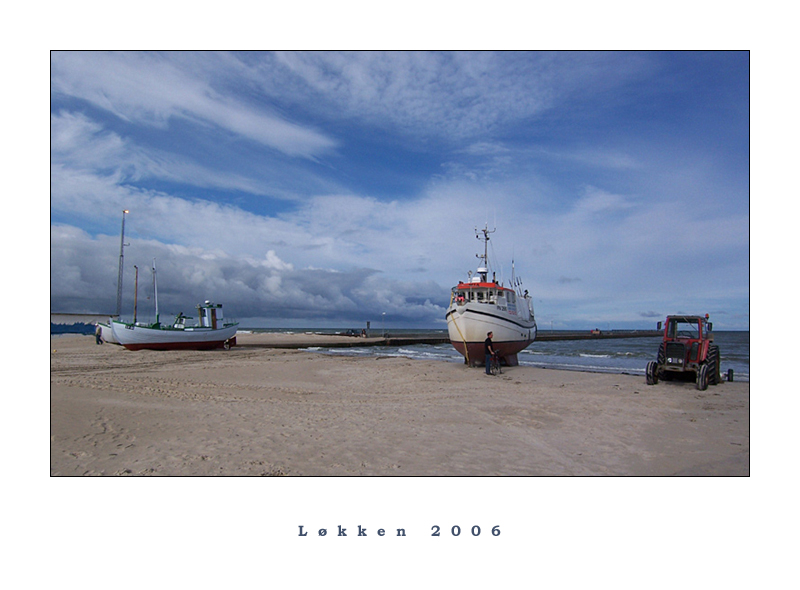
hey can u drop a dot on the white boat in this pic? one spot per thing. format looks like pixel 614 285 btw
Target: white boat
pixel 106 333
pixel 483 305
pixel 210 331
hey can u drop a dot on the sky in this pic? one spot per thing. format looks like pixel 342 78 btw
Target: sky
pixel 328 189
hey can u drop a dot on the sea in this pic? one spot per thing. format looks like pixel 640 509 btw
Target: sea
pixel 613 355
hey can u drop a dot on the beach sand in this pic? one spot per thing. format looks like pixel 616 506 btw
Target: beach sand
pixel 258 410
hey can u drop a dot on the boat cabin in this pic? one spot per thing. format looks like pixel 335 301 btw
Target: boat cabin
pixel 477 291
pixel 209 314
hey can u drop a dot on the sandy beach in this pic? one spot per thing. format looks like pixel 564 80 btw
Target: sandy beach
pixel 263 410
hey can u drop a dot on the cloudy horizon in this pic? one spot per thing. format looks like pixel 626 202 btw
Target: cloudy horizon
pixel 328 189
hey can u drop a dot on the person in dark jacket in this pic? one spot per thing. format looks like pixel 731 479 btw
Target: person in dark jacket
pixel 488 351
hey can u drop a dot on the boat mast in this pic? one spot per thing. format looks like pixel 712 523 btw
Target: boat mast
pixel 484 269
pixel 122 245
pixel 516 282
pixel 155 288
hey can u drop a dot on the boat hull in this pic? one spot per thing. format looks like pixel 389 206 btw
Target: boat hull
pixel 469 324
pixel 147 338
pixel 107 334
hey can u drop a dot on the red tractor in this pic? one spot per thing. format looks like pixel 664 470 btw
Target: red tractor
pixel 687 348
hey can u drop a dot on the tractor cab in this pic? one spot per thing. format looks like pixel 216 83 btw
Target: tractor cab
pixel 687 340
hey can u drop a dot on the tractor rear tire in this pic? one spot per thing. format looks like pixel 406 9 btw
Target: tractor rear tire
pixel 702 378
pixel 652 373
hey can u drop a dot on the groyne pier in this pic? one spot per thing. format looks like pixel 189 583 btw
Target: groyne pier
pixel 546 335
pixel 311 340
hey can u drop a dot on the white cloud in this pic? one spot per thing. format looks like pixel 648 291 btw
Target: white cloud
pixel 444 94
pixel 152 88
pixel 82 144
pixel 596 201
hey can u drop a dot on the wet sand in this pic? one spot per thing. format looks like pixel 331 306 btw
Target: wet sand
pixel 258 410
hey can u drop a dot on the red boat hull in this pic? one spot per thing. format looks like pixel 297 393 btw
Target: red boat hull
pixel 179 345
pixel 507 351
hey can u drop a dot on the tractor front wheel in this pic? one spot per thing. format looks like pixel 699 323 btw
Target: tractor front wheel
pixel 652 373
pixel 702 378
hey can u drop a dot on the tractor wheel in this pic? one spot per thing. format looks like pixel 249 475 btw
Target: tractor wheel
pixel 652 373
pixel 713 362
pixel 702 378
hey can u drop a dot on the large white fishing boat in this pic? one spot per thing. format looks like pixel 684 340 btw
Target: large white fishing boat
pixel 483 305
pixel 210 331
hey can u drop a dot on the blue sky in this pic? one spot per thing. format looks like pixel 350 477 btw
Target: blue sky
pixel 326 189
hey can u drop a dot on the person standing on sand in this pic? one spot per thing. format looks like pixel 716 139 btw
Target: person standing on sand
pixel 488 351
pixel 98 334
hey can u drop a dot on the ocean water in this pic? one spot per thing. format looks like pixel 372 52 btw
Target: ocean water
pixel 613 355
pixel 630 355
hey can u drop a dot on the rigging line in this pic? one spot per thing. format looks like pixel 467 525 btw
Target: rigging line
pixel 464 340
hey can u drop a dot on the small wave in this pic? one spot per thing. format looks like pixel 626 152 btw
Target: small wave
pixel 588 368
pixel 416 354
pixel 343 351
pixel 595 356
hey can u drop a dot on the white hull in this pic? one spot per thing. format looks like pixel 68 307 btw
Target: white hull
pixel 471 322
pixel 107 333
pixel 468 325
pixel 191 338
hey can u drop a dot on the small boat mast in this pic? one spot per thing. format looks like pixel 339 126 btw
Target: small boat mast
pixel 122 245
pixel 135 293
pixel 155 291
